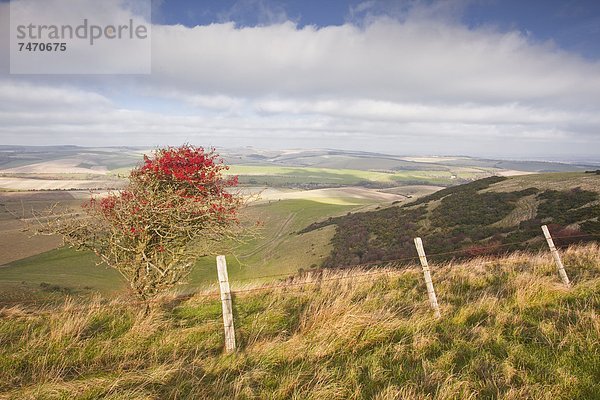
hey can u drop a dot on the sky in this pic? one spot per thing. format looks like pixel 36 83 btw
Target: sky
pixel 494 78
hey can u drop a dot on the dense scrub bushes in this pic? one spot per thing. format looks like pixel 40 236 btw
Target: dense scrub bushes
pixel 463 220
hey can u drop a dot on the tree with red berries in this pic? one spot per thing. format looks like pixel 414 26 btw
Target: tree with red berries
pixel 177 207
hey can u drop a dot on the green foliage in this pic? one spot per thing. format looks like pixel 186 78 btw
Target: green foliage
pixel 463 221
pixel 566 206
pixel 469 207
pixel 475 186
pixel 591 227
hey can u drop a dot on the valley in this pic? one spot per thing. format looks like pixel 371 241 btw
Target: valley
pixel 307 201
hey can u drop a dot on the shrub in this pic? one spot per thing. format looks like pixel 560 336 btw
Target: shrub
pixel 175 209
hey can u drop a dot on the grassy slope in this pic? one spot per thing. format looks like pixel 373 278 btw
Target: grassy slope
pixel 277 251
pixel 553 181
pixel 508 330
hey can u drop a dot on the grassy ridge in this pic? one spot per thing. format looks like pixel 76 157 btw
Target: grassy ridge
pixel 279 249
pixel 508 330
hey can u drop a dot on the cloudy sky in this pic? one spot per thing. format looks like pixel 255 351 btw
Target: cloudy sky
pixel 502 78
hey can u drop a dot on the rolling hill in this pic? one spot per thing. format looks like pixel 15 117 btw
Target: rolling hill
pixel 490 215
pixel 303 228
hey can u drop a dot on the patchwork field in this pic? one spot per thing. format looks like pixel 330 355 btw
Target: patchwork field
pixel 42 183
pixel 71 167
pixel 68 165
pixel 351 195
pixel 281 176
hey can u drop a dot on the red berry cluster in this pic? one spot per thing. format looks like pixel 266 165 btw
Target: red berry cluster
pixel 188 173
pixel 107 204
pixel 185 164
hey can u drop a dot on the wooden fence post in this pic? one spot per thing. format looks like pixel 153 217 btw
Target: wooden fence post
pixel 561 268
pixel 226 303
pixel 427 275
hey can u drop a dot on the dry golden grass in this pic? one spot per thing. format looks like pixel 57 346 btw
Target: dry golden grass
pixel 509 330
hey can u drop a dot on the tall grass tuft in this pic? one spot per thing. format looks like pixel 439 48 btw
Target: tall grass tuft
pixel 509 330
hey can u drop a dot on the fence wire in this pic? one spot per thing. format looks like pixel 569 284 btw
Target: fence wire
pixel 51 307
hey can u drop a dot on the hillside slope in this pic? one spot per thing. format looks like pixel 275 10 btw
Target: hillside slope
pixel 491 215
pixel 508 330
pixel 276 251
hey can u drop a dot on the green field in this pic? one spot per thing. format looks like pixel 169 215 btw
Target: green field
pixel 276 175
pixel 56 273
pixel 278 250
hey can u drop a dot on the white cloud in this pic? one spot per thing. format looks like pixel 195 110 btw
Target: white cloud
pixel 386 60
pixel 24 96
pixel 510 113
pixel 418 82
pixel 216 102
